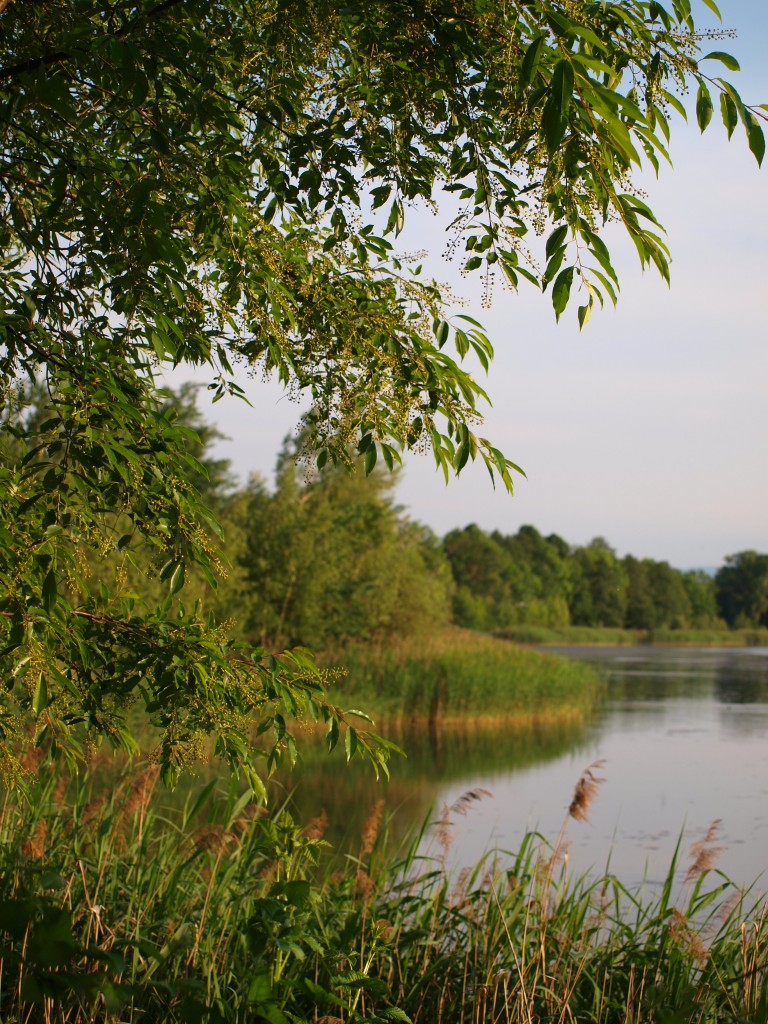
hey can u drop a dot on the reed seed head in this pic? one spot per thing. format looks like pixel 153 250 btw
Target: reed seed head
pixel 141 790
pixel 34 847
pixel 370 829
pixel 445 835
pixel 467 800
pixel 315 829
pixel 686 938
pixel 703 854
pixel 585 792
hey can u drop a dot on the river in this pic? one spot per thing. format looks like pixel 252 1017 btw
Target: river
pixel 681 740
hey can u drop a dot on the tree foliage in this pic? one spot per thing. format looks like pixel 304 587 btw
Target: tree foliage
pixel 328 559
pixel 742 589
pixel 215 184
pixel 527 579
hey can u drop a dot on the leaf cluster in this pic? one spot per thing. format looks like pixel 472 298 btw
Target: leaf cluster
pixel 221 185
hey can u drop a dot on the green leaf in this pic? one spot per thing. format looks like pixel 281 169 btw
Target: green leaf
pixel 50 592
pixel 729 113
pixel 177 579
pixel 394 1013
pixel 350 743
pixel 556 239
pixel 725 58
pixel 530 62
pixel 40 697
pixel 755 138
pixel 461 456
pixel 369 459
pixel 703 106
pixel 554 118
pixel 561 290
pixel 332 734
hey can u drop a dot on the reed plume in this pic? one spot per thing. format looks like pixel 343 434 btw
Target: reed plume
pixel 585 792
pixel 467 800
pixel 703 853
pixel 370 829
pixel 315 828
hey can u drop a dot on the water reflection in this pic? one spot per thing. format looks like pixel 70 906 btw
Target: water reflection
pixel 435 758
pixel 683 734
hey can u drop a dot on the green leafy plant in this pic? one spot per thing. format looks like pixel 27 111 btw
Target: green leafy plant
pixel 116 906
pixel 213 184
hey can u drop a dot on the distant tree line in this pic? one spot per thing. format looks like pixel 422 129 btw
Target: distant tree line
pixel 327 558
pixel 503 581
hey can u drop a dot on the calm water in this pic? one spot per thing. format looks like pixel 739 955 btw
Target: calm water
pixel 683 736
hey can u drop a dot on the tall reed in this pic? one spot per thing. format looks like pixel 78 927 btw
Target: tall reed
pixel 114 907
pixel 457 675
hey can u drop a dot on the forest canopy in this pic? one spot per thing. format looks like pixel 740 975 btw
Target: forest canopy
pixel 222 184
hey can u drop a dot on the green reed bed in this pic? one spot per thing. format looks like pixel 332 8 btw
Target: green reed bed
pixel 113 910
pixel 711 637
pixel 597 635
pixel 572 635
pixel 458 676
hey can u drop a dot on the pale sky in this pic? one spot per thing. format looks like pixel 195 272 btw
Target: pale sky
pixel 649 428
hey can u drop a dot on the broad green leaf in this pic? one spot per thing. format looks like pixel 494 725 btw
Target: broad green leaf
pixel 441 333
pixel 556 239
pixel 40 696
pixel 756 139
pixel 554 118
pixel 530 62
pixel 332 733
pixel 177 579
pixel 50 592
pixel 729 113
pixel 725 58
pixel 350 743
pixel 561 290
pixel 703 106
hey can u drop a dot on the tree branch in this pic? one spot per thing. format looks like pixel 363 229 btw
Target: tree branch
pixel 12 70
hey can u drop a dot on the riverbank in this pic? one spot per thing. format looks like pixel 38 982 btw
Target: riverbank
pixel 461 677
pixel 112 907
pixel 594 636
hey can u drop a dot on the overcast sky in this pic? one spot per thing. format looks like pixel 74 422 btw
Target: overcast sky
pixel 650 428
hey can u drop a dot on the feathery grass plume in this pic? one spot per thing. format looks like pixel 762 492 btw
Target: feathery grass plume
pixel 34 847
pixel 243 823
pixel 467 800
pixel 444 832
pixel 214 839
pixel 582 799
pixel 364 883
pixel 686 937
pixel 57 798
pixel 141 790
pixel 370 829
pixel 315 828
pixel 457 896
pixel 703 854
pixel 585 792
pixel 92 811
